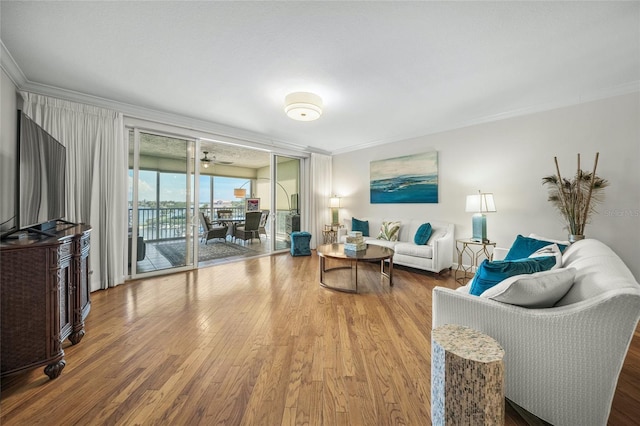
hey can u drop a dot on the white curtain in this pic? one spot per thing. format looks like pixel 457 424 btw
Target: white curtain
pixel 97 161
pixel 320 183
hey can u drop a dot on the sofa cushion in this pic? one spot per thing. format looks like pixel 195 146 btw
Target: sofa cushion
pixel 360 225
pixel 523 247
pixel 538 290
pixel 491 273
pixel 383 243
pixel 389 231
pixel 411 249
pixel 422 234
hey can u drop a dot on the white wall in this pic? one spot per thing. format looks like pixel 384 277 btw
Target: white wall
pixel 509 158
pixel 8 146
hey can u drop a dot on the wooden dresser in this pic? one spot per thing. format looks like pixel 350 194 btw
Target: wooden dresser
pixel 44 298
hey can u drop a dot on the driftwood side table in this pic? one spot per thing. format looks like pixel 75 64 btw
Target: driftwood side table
pixel 467 377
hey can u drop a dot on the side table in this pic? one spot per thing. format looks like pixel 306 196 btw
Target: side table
pixel 330 234
pixel 467 377
pixel 474 250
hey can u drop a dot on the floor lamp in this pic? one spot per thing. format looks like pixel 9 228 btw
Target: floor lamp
pixel 242 192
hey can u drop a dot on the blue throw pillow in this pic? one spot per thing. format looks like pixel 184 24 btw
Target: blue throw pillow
pixel 422 234
pixel 491 273
pixel 360 225
pixel 524 247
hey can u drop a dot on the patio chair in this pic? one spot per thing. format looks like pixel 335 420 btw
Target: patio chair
pixel 263 223
pixel 248 230
pixel 212 231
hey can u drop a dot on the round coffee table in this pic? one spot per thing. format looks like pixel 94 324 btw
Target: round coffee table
pixel 372 253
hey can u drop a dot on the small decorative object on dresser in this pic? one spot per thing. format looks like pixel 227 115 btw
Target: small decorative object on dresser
pixel 575 198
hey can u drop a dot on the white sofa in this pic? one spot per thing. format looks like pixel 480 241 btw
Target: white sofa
pixel 561 363
pixel 434 256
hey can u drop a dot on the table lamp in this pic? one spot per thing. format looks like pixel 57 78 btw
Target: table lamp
pixel 479 204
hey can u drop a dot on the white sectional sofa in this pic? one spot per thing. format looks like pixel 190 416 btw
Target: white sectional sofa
pixel 562 362
pixel 434 256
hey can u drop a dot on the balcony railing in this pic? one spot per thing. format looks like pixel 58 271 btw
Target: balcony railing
pixel 163 223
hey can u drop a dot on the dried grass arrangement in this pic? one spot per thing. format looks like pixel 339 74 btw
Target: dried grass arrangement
pixel 576 198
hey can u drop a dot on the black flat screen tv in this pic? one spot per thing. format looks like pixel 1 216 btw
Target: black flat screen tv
pixel 41 177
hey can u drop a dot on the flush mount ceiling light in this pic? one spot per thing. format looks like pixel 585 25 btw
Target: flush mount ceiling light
pixel 303 106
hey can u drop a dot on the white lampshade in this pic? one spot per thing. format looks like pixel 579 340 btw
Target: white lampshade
pixel 303 106
pixel 482 202
pixel 334 202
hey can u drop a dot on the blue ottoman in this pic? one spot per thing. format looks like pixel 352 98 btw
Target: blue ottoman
pixel 300 244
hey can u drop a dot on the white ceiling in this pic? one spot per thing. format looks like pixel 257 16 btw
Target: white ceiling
pixel 386 71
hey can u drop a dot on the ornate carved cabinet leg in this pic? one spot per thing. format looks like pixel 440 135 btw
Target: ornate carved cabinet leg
pixel 76 336
pixel 54 370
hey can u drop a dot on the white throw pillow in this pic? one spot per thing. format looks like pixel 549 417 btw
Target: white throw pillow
pixel 538 290
pixel 550 250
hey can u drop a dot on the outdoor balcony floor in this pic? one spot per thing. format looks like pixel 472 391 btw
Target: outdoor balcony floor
pixel 154 260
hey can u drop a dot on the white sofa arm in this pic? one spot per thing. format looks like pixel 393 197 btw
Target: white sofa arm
pixel 443 250
pixel 562 364
pixel 499 253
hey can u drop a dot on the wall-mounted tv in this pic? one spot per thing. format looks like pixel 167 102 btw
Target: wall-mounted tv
pixel 41 173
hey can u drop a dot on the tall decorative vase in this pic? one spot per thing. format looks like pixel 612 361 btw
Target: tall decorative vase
pixel 573 238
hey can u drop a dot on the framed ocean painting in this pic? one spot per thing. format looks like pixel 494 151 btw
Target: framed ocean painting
pixel 408 179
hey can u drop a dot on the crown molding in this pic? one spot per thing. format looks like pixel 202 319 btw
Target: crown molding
pixel 18 78
pixel 623 89
pixel 10 67
pixel 167 118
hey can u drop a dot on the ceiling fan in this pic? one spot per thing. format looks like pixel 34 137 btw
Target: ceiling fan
pixel 206 161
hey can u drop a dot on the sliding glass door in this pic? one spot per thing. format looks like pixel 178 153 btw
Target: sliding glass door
pixel 286 187
pixel 162 216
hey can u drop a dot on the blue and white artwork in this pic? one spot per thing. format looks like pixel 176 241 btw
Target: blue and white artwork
pixel 409 179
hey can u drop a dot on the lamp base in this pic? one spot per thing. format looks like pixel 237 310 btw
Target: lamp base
pixel 334 216
pixel 479 228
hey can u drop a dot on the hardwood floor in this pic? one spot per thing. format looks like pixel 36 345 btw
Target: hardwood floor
pixel 257 342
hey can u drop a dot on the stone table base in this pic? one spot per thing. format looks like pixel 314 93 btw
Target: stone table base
pixel 467 377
